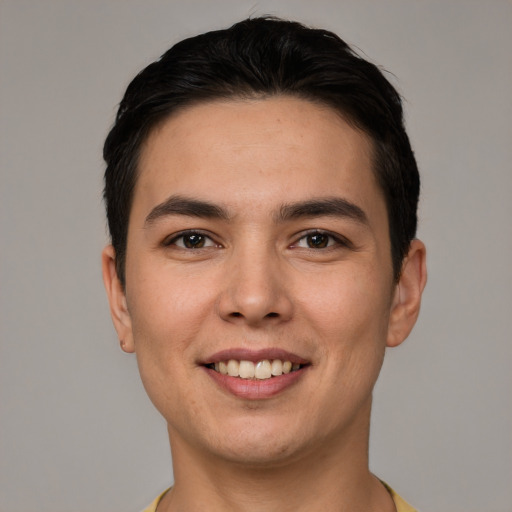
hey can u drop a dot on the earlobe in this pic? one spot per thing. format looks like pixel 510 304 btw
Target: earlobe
pixel 117 299
pixel 407 300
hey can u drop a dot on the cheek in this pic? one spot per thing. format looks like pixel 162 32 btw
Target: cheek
pixel 349 310
pixel 165 322
pixel 167 304
pixel 352 294
pixel 167 315
pixel 347 315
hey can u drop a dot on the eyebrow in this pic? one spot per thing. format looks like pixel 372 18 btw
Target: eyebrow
pixel 330 207
pixel 180 205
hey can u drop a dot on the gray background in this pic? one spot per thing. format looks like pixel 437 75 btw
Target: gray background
pixel 76 430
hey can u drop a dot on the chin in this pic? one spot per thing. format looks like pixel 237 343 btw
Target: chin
pixel 261 453
pixel 260 444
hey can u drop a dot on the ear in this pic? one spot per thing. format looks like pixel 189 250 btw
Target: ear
pixel 117 300
pixel 407 299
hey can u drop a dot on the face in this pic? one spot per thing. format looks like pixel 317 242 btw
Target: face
pixel 258 241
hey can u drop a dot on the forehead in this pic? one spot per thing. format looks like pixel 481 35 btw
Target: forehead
pixel 249 152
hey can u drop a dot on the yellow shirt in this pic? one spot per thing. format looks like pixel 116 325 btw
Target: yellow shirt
pixel 400 504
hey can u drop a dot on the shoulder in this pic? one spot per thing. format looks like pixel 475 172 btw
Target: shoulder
pixel 400 504
pixel 154 503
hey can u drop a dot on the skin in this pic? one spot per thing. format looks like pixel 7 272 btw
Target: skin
pixel 259 282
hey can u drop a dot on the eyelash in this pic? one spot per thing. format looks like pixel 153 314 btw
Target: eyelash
pixel 338 241
pixel 172 240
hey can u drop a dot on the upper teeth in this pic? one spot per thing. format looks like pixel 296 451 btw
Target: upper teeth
pixel 261 370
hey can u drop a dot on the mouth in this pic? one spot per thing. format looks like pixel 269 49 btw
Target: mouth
pixel 260 370
pixel 255 374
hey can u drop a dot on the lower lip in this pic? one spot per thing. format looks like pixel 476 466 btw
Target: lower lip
pixel 255 389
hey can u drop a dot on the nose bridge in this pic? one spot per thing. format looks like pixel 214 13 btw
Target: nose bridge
pixel 255 288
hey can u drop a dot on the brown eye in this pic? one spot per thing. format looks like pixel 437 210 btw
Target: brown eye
pixel 190 240
pixel 317 241
pixel 194 241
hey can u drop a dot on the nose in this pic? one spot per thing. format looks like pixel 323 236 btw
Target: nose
pixel 256 290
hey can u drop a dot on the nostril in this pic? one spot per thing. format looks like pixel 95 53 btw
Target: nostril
pixel 237 314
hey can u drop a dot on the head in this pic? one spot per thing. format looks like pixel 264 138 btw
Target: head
pixel 261 58
pixel 261 196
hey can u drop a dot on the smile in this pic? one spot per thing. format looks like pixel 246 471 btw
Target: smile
pixel 260 370
pixel 255 374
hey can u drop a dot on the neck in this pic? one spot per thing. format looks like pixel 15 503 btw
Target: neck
pixel 333 476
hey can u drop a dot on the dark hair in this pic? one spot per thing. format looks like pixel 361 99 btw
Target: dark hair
pixel 264 57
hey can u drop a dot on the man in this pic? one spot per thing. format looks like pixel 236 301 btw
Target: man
pixel 261 196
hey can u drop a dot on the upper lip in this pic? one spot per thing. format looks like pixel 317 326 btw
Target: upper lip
pixel 244 354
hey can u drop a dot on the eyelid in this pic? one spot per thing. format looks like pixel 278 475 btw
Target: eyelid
pixel 171 239
pixel 339 240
